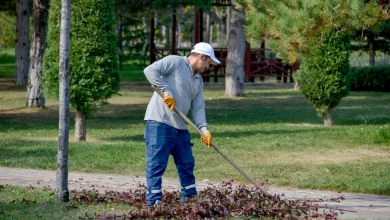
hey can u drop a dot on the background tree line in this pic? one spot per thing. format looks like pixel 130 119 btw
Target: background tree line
pixel 291 28
pixel 317 34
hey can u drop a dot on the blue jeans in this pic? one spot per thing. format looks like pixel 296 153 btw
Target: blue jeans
pixel 163 140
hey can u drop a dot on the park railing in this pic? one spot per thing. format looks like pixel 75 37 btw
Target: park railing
pixel 261 63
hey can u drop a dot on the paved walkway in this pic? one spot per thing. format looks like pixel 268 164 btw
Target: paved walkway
pixel 360 206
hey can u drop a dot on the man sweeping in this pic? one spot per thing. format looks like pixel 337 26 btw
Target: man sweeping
pixel 166 133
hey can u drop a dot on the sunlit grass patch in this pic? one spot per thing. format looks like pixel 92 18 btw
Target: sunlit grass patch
pixel 273 134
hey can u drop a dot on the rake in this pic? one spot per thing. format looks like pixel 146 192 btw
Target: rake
pixel 216 148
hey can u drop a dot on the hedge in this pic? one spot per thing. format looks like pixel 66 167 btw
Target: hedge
pixel 376 78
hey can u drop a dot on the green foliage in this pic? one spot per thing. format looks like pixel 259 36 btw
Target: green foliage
pixel 132 40
pixel 370 78
pixel 134 25
pixel 323 74
pixel 149 6
pixel 7 30
pixel 380 39
pixel 94 74
pixel 293 27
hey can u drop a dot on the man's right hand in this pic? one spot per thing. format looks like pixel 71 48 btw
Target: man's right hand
pixel 207 139
pixel 169 101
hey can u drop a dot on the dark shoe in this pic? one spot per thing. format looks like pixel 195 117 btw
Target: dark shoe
pixel 186 198
pixel 156 203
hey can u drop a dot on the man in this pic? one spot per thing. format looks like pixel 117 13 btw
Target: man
pixel 166 133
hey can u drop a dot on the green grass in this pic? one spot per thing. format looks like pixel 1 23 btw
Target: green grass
pixel 272 134
pixel 129 72
pixel 38 203
pixel 7 62
pixel 132 73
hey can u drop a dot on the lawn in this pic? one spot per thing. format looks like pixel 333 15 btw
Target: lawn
pixel 38 203
pixel 272 133
pixel 7 61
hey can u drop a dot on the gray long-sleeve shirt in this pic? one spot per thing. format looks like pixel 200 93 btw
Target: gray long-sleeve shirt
pixel 174 75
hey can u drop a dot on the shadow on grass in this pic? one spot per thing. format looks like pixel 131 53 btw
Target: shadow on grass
pixel 28 153
pixel 381 191
pixel 230 134
pixel 271 106
pixel 271 110
pixel 136 138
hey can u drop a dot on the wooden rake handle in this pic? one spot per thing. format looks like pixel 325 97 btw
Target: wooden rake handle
pixel 216 148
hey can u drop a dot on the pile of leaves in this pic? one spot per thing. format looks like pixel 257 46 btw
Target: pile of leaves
pixel 224 201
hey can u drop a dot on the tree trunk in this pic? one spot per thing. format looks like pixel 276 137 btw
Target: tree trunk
pixel 178 41
pixel 22 41
pixel 227 26
pixel 235 74
pixel 211 35
pixel 167 37
pixel 371 39
pixel 80 130
pixel 120 41
pixel 218 25
pixel 174 32
pixel 296 86
pixel 146 42
pixel 62 191
pixel 34 91
pixel 208 26
pixel 328 121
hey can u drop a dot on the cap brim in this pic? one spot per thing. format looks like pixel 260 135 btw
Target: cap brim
pixel 215 60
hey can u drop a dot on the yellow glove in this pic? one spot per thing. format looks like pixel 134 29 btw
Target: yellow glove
pixel 169 101
pixel 208 138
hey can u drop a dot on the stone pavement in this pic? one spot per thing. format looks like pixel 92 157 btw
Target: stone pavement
pixel 359 206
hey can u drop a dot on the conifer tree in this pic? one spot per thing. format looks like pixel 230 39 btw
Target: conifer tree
pixel 323 74
pixel 298 29
pixel 94 74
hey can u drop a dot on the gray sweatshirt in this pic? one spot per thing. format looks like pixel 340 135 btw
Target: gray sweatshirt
pixel 173 75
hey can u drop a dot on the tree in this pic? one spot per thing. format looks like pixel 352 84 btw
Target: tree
pixel 323 74
pixel 62 191
pixel 234 78
pixel 34 92
pixel 94 74
pixel 299 29
pixel 133 17
pixel 22 41
pixel 374 38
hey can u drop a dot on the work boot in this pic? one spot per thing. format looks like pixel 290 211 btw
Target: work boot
pixel 156 203
pixel 186 198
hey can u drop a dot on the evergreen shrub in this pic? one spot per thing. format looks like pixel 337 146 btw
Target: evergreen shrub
pixel 371 78
pixel 94 74
pixel 323 73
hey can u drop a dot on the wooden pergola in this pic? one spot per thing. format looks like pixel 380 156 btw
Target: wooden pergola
pixel 258 62
pixel 198 33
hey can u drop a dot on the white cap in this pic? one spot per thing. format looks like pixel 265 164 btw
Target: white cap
pixel 206 49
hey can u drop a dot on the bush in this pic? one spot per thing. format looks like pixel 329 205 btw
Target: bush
pixel 375 78
pixel 94 74
pixel 323 74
